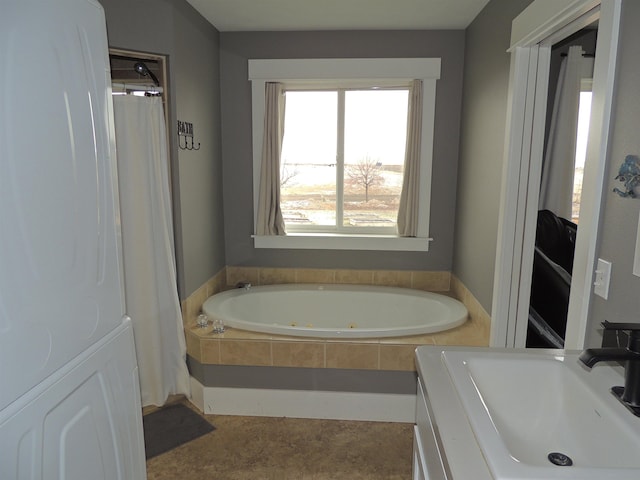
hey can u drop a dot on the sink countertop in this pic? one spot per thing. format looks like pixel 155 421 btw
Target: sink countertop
pixel 463 454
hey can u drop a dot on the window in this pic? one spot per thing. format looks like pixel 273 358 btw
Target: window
pixel 582 135
pixel 343 150
pixel 342 159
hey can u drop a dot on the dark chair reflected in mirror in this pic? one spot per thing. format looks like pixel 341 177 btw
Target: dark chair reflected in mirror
pixel 551 280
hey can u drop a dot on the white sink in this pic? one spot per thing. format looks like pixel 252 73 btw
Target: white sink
pixel 522 407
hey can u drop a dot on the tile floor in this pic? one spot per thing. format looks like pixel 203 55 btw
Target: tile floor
pixel 286 449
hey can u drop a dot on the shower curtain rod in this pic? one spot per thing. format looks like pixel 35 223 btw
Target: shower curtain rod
pixel 588 55
pixel 119 87
pixel 132 59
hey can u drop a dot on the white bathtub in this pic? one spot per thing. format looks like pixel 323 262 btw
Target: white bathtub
pixel 335 311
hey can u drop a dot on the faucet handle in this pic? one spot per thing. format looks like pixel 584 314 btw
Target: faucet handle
pixel 633 343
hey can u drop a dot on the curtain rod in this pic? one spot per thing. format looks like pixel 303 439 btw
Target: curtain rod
pixel 134 87
pixel 132 59
pixel 589 55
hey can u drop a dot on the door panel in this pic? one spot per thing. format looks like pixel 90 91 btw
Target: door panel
pixel 82 424
pixel 60 281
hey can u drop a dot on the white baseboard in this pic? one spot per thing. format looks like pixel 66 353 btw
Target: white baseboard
pixel 377 407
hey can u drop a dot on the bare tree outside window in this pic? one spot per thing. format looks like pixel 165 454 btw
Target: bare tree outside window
pixel 366 172
pixel 287 173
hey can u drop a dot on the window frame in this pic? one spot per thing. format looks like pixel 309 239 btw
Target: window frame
pixel 318 73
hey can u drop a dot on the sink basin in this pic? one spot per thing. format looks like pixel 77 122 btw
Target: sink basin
pixel 523 407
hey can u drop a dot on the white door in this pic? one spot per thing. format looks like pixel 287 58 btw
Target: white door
pixel 69 394
pixel 83 422
pixel 60 281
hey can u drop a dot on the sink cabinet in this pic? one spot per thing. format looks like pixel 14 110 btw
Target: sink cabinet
pixel 444 447
pixel 428 462
pixel 419 464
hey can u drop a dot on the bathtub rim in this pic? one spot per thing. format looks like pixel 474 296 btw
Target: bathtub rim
pixel 460 312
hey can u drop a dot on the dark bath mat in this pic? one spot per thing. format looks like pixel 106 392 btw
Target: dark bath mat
pixel 170 427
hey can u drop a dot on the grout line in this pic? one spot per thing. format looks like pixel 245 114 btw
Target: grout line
pixel 324 354
pixel 271 352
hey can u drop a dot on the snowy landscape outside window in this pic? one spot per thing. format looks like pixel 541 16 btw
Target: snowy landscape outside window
pixel 342 159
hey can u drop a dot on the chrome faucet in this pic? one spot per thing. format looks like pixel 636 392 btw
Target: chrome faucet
pixel 245 285
pixel 629 395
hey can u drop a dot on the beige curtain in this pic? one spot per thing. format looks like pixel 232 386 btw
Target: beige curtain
pixel 269 218
pixel 410 196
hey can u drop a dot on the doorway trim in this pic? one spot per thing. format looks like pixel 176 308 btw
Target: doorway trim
pixel 534 31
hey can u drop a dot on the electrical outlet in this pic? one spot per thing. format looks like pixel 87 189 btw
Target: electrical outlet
pixel 603 277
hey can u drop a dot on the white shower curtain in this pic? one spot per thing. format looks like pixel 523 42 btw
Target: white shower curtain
pixel 147 243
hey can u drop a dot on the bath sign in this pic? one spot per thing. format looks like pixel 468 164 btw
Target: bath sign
pixel 185 131
pixel 185 128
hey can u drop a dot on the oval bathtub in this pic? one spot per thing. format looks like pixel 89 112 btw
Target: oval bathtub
pixel 335 311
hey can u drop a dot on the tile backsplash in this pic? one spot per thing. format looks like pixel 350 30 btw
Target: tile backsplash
pixel 432 281
pixel 422 280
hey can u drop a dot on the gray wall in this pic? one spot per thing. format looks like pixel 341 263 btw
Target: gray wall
pixel 481 161
pixel 174 28
pixel 620 215
pixel 238 47
pixel 486 82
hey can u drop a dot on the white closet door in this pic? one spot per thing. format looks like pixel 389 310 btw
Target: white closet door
pixel 60 264
pixel 82 423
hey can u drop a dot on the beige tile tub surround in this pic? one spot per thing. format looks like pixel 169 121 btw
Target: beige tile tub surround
pixel 229 277
pixel 238 347
pixel 420 280
pixel 192 306
pixel 298 354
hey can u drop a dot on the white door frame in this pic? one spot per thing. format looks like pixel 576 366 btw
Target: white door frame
pixel 534 31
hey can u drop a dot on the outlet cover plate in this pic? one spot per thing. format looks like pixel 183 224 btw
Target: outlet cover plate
pixel 603 277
